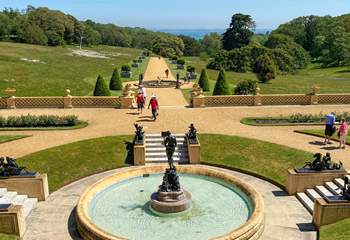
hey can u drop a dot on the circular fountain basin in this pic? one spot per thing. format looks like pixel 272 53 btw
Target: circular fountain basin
pixel 118 207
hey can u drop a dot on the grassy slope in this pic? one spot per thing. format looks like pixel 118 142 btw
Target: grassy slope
pixel 70 162
pixel 336 231
pixel 4 139
pixel 330 80
pixel 266 159
pixel 8 237
pixel 320 133
pixel 59 70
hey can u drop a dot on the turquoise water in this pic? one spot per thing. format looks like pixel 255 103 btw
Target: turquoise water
pixel 217 208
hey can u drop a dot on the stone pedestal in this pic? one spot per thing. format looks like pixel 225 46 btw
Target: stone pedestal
pixel 11 102
pixel 12 221
pixel 299 182
pixel 198 102
pixel 327 213
pixel 171 202
pixel 139 154
pixel 194 152
pixel 34 187
pixel 126 102
pixel 314 99
pixel 67 100
pixel 257 100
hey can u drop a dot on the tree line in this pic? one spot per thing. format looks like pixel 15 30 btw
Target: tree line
pixel 44 26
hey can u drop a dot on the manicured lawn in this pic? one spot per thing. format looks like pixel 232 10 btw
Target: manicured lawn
pixel 10 138
pixel 330 80
pixel 265 159
pixel 336 231
pixel 8 237
pixel 68 163
pixel 58 68
pixel 320 133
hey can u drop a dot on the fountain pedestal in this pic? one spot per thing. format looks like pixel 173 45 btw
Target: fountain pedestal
pixel 170 198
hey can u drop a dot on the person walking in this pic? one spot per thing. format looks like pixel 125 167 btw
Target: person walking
pixel 343 132
pixel 140 100
pixel 167 73
pixel 330 128
pixel 154 106
pixel 144 92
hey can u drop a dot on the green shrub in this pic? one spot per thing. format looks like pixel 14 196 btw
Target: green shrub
pixel 191 69
pixel 247 87
pixel 116 82
pixel 181 62
pixel 174 58
pixel 204 81
pixel 126 68
pixel 221 86
pixel 31 121
pixel 101 88
pixel 265 68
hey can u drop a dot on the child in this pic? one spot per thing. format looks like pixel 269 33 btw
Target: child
pixel 343 132
pixel 154 105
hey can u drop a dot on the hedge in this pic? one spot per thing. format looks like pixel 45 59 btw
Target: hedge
pixel 29 121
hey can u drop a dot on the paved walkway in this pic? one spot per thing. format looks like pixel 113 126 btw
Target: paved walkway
pixel 166 96
pixel 54 219
pixel 107 122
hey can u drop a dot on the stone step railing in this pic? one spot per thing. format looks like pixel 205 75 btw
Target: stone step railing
pixel 312 98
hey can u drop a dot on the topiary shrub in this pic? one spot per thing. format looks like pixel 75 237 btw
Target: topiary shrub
pixel 204 81
pixel 116 82
pixel 126 68
pixel 181 62
pixel 247 87
pixel 191 69
pixel 101 88
pixel 30 121
pixel 221 86
pixel 265 68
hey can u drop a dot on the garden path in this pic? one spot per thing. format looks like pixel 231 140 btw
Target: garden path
pixel 166 96
pixel 106 122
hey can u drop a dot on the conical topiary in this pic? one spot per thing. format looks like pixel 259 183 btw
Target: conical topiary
pixel 221 86
pixel 204 81
pixel 101 88
pixel 116 82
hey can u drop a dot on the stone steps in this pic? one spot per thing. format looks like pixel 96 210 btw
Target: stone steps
pixel 155 150
pixel 329 189
pixel 28 204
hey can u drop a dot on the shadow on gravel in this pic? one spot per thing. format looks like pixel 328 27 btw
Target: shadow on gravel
pixel 306 227
pixel 280 193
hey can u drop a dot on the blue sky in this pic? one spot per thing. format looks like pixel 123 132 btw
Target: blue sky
pixel 187 14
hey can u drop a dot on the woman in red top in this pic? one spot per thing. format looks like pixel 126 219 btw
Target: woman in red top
pixel 140 100
pixel 343 132
pixel 154 106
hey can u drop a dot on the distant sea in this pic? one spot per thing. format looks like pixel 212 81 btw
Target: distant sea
pixel 200 33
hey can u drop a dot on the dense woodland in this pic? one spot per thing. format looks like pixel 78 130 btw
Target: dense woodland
pixel 290 47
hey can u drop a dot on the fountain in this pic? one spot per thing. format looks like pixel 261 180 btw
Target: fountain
pixel 209 203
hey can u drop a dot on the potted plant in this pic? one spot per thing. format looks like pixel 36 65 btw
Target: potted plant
pixel 126 71
pixel 180 64
pixel 192 71
pixel 174 60
pixel 135 63
pixel 140 59
pixel 145 53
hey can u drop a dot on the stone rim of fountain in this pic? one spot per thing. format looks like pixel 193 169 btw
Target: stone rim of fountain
pixel 252 229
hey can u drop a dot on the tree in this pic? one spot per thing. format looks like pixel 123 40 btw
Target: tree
pixel 192 46
pixel 239 33
pixel 101 88
pixel 204 81
pixel 265 68
pixel 247 87
pixel 34 35
pixel 116 82
pixel 221 86
pixel 211 43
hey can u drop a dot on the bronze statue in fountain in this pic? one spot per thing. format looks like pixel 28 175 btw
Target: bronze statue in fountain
pixel 170 197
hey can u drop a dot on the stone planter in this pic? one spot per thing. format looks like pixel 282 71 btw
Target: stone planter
pixel 139 61
pixel 126 74
pixel 180 67
pixel 193 76
pixel 135 65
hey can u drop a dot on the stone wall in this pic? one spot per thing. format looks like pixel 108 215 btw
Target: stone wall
pixel 199 100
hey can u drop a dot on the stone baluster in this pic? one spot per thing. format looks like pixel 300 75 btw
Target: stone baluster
pixel 257 98
pixel 67 100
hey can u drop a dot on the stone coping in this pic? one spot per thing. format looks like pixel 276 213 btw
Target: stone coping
pixel 252 229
